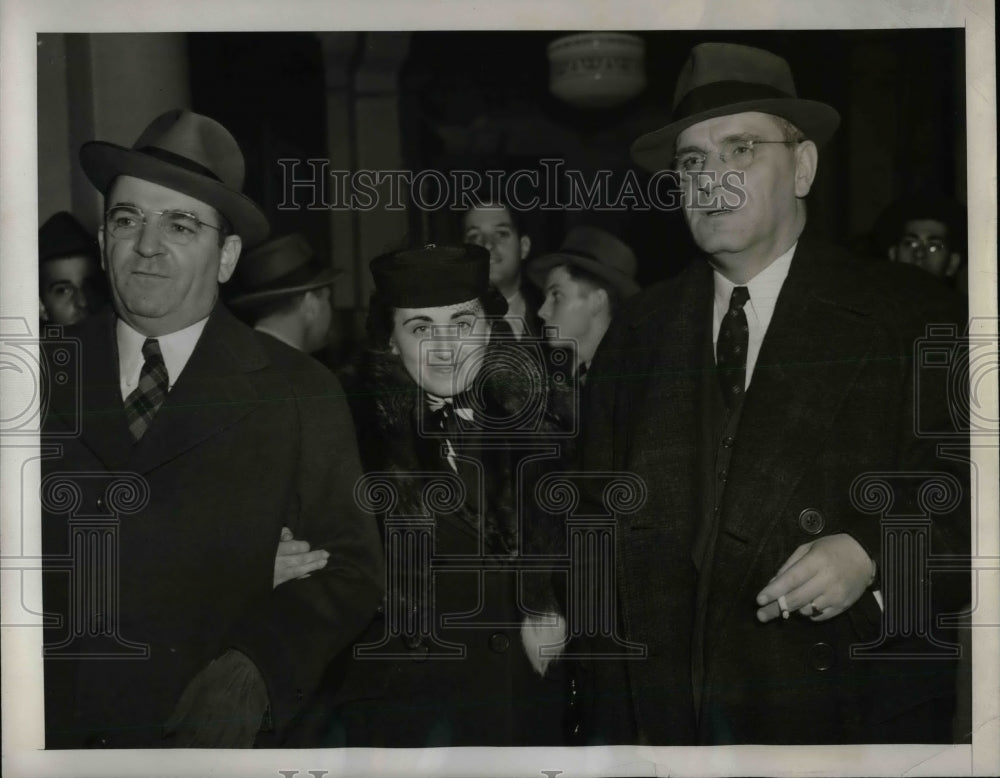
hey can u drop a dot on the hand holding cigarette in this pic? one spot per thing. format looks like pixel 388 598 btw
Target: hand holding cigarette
pixel 819 580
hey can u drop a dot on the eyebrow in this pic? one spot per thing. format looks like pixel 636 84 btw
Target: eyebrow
pixel 456 315
pixel 186 211
pixel 728 139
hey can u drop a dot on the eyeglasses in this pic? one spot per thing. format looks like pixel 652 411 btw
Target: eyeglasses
pixel 738 153
pixel 931 246
pixel 176 227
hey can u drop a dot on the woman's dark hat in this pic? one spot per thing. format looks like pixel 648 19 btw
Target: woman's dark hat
pixel 63 236
pixel 433 276
pixel 187 152
pixel 594 250
pixel 281 267
pixel 720 79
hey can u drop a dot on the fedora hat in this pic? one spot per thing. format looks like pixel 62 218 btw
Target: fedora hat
pixel 281 267
pixel 189 153
pixel 720 79
pixel 63 236
pixel 594 250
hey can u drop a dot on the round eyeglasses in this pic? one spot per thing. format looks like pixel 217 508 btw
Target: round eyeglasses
pixel 737 153
pixel 176 227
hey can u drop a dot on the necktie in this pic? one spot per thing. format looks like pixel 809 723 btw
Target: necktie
pixel 731 350
pixel 145 400
pixel 446 413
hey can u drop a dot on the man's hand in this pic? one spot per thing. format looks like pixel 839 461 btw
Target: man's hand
pixel 820 580
pixel 295 560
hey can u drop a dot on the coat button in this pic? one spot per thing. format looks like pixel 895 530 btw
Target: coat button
pixel 100 503
pixel 811 521
pixel 499 642
pixel 821 656
pixel 728 441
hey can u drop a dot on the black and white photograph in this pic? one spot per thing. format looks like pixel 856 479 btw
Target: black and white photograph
pixel 440 389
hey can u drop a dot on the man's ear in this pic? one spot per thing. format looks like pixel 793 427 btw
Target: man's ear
pixel 806 162
pixel 525 247
pixel 954 260
pixel 598 300
pixel 892 253
pixel 229 256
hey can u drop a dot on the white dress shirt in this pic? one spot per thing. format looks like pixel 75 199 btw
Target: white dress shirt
pixel 176 348
pixel 764 289
pixel 516 312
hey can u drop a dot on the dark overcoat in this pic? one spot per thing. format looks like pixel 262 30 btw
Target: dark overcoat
pixel 834 397
pixel 160 554
pixel 463 678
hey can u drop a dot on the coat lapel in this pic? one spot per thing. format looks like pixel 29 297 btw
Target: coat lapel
pixel 96 402
pixel 816 346
pixel 213 392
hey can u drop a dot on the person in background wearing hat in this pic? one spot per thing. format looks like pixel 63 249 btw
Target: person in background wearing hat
pixel 71 285
pixel 750 393
pixel 584 283
pixel 443 665
pixel 500 229
pixel 197 440
pixel 284 290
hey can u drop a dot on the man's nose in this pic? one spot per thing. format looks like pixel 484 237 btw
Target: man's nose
pixel 80 301
pixel 150 240
pixel 544 312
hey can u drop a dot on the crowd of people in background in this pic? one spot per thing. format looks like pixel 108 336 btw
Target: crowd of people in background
pixel 334 555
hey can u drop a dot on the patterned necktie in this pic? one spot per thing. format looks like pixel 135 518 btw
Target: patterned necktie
pixel 731 350
pixel 145 400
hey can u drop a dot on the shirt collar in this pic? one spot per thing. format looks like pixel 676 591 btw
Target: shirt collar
pixel 763 287
pixel 176 348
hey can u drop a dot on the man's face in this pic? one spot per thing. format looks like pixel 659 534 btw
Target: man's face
pixel 69 289
pixel 743 241
pixel 924 243
pixel 492 227
pixel 160 287
pixel 569 304
pixel 449 364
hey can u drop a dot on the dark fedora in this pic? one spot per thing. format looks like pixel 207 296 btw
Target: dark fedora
pixel 720 79
pixel 187 152
pixel 281 267
pixel 433 275
pixel 594 250
pixel 63 236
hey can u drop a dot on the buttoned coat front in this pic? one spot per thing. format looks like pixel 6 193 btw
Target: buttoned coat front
pixel 834 400
pixel 160 553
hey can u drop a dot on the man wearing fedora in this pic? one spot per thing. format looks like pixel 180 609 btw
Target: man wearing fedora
pixel 285 290
pixel 584 283
pixel 186 444
pixel 71 285
pixel 757 393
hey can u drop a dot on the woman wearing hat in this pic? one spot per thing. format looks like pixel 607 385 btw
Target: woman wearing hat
pixel 442 392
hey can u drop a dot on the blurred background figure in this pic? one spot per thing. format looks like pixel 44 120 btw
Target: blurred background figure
pixel 928 231
pixel 284 291
pixel 500 229
pixel 584 284
pixel 71 284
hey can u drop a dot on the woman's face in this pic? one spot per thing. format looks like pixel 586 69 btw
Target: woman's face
pixel 442 348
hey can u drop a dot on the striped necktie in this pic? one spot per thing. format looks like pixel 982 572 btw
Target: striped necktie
pixel 145 400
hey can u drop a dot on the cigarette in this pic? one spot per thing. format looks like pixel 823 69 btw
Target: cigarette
pixel 783 604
